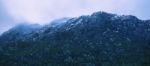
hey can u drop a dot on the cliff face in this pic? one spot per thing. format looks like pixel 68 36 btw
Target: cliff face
pixel 100 39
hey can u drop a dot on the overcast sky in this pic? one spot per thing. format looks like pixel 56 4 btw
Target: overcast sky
pixel 13 12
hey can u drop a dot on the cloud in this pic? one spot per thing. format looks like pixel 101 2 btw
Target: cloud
pixel 42 11
pixel 6 21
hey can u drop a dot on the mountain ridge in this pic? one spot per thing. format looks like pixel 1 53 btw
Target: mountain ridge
pixel 100 39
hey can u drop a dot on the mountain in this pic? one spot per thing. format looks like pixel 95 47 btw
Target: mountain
pixel 100 39
pixel 19 32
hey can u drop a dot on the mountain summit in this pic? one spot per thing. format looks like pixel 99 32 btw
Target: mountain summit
pixel 100 39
